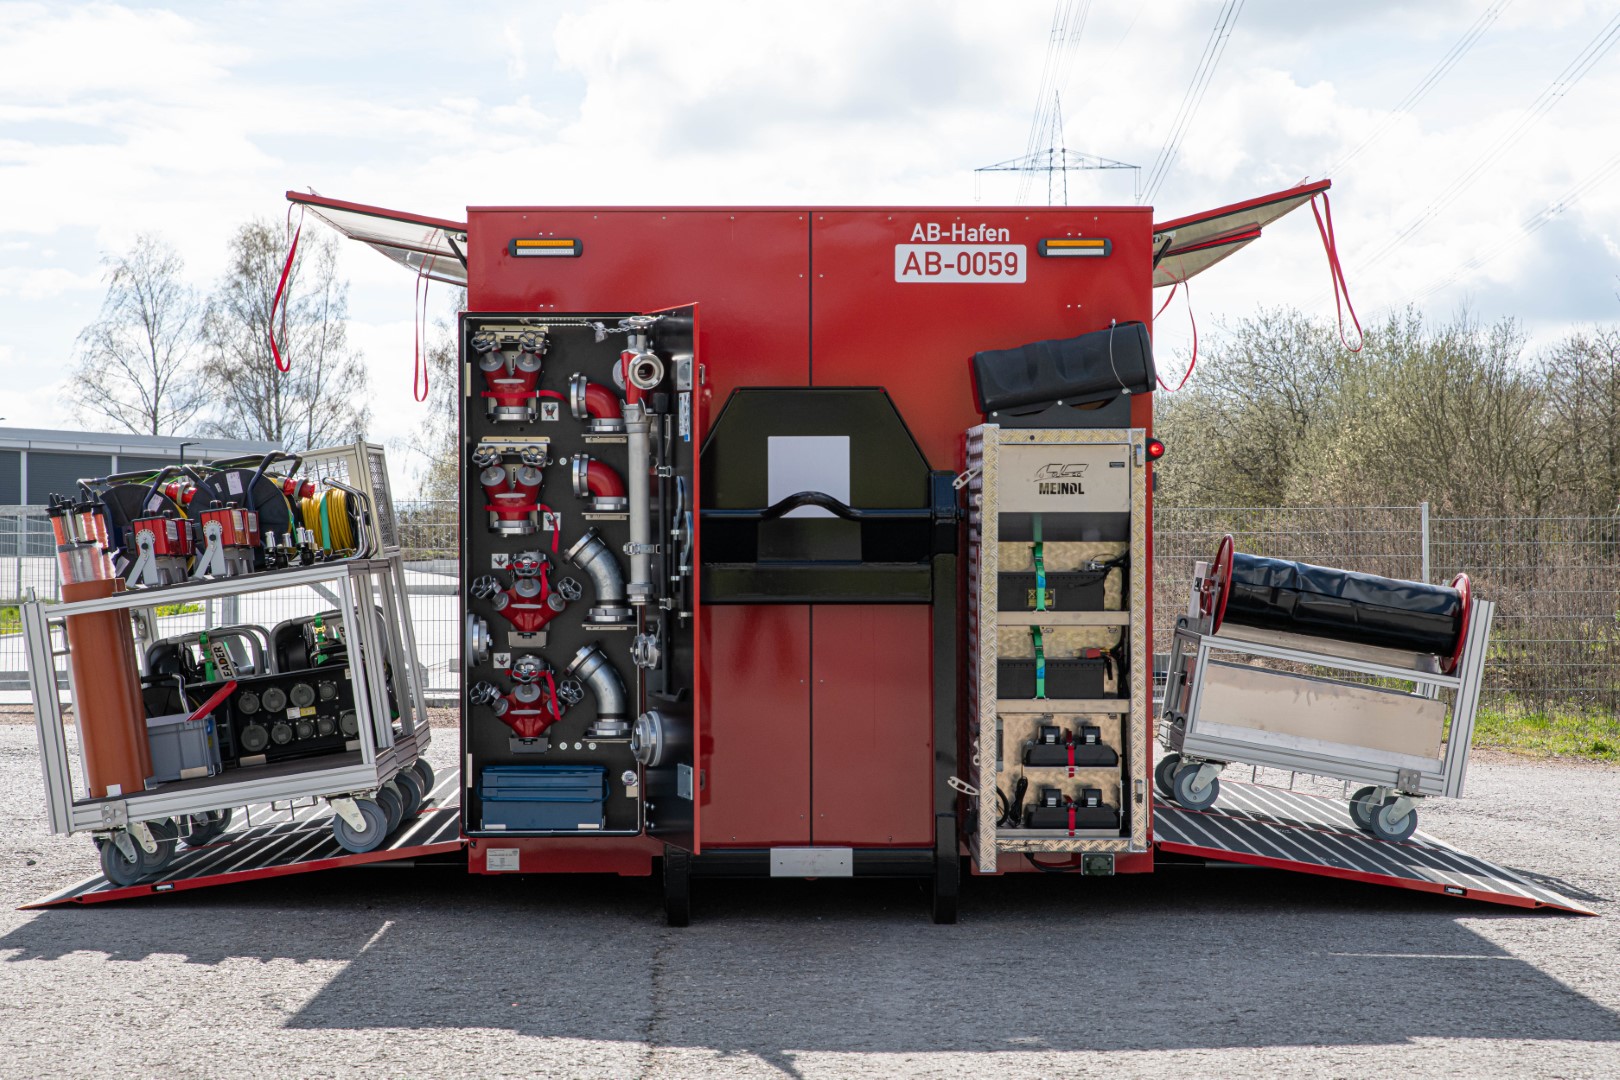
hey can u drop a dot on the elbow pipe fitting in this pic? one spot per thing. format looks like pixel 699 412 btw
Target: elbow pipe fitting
pixel 600 484
pixel 592 557
pixel 597 404
pixel 590 666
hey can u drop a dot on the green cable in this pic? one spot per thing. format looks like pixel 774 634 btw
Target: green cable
pixel 1040 663
pixel 1040 576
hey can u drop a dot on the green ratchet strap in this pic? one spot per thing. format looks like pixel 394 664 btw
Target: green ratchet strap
pixel 1040 576
pixel 1040 663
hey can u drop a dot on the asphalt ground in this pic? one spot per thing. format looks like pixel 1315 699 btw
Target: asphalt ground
pixel 1185 972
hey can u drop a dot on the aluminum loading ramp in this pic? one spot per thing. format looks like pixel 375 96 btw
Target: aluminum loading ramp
pixel 277 843
pixel 1290 830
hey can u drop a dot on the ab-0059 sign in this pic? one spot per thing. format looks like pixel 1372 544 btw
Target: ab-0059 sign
pixel 946 263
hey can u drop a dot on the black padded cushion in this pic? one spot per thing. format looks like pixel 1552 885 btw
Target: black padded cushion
pixel 1092 367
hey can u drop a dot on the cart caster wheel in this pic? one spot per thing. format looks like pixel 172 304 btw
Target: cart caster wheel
pixel 361 841
pixel 677 887
pixel 1361 808
pixel 167 835
pixel 119 870
pixel 410 792
pixel 1164 775
pixel 206 828
pixel 388 798
pixel 1200 799
pixel 424 773
pixel 1395 830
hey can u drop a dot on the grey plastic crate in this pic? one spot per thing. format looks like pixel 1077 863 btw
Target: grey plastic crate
pixel 182 749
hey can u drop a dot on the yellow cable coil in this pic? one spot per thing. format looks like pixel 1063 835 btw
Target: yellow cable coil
pixel 327 517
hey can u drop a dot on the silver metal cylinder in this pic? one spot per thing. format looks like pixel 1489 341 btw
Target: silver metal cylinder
pixel 659 738
pixel 638 429
pixel 592 556
pixel 591 667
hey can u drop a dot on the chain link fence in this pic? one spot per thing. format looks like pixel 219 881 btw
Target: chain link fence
pixel 1555 646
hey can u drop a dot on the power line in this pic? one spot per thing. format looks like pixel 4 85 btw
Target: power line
pixel 1193 98
pixel 1565 81
pixel 1426 84
pixel 1068 23
pixel 1526 228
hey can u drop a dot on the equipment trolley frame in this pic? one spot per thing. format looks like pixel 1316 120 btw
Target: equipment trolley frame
pixel 1201 740
pixel 341 778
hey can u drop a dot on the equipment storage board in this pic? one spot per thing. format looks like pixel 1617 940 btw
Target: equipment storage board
pixel 1060 501
pixel 578 498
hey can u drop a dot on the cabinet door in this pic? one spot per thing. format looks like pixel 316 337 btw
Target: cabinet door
pixel 756 741
pixel 872 725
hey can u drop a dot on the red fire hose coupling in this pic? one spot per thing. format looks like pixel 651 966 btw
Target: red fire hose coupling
pixel 597 404
pixel 511 382
pixel 529 709
pixel 514 498
pixel 600 485
pixel 528 604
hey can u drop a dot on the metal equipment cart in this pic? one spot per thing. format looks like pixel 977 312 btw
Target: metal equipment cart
pixel 364 780
pixel 1402 744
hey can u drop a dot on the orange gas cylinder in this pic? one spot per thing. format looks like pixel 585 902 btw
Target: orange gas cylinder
pixel 107 693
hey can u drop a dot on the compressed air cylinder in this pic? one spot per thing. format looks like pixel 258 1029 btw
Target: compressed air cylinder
pixel 107 693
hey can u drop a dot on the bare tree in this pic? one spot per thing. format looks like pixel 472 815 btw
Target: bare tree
pixel 321 398
pixel 137 366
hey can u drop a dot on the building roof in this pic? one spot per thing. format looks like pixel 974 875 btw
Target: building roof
pixel 101 442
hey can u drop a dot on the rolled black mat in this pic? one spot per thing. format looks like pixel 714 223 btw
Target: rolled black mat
pixel 1298 598
pixel 1092 367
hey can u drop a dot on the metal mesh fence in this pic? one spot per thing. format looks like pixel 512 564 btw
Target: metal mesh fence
pixel 1555 644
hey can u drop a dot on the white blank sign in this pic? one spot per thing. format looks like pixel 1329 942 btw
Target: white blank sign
pixel 795 463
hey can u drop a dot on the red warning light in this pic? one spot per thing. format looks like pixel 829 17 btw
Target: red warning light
pixel 1155 449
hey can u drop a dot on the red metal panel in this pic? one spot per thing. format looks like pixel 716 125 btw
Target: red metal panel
pixel 916 338
pixel 872 753
pixel 748 268
pixel 755 754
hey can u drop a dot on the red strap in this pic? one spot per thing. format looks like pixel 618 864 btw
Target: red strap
pixel 281 287
pixel 213 703
pixel 1071 759
pixel 1193 362
pixel 419 376
pixel 1174 285
pixel 1071 819
pixel 1324 226
pixel 551 394
pixel 556 714
pixel 556 534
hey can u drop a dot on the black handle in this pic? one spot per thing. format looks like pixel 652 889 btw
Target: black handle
pixel 825 502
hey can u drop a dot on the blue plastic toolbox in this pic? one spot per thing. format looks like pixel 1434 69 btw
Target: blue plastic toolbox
pixel 532 798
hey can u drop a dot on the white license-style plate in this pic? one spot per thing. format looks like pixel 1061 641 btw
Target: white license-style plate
pixel 950 263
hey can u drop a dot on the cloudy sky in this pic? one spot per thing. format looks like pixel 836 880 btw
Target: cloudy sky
pixel 187 119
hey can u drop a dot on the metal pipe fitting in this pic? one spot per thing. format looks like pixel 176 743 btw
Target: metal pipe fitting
pixel 659 738
pixel 597 404
pixel 591 667
pixel 598 482
pixel 592 557
pixel 638 429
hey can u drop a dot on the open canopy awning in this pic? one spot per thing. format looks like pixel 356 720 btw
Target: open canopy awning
pixel 433 247
pixel 1189 245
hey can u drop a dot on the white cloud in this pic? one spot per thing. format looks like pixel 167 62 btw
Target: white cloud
pixel 188 121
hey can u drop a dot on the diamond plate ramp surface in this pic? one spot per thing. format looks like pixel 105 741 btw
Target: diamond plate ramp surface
pixel 274 843
pixel 1290 830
